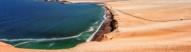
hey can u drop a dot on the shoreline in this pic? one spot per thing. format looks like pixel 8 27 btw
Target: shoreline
pixel 98 30
pixel 105 27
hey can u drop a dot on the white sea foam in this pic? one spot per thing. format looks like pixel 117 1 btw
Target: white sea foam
pixel 90 29
pixel 21 43
pixel 105 18
pixel 42 39
pixel 96 22
pixel 51 44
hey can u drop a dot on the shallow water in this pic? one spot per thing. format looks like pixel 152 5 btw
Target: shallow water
pixel 47 25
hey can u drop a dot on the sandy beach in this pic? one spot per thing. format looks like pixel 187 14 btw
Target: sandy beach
pixel 142 26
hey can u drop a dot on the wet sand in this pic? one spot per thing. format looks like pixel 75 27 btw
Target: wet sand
pixel 142 26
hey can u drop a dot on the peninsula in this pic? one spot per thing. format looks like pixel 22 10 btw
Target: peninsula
pixel 141 26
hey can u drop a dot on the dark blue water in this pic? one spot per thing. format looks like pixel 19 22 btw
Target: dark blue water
pixel 47 25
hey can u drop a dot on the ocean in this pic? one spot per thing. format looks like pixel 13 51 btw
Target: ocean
pixel 34 24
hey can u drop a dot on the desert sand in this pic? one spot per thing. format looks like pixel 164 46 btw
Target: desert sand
pixel 142 26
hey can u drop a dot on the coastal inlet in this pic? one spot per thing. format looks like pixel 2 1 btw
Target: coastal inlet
pixel 35 24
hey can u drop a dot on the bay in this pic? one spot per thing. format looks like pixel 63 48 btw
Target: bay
pixel 36 24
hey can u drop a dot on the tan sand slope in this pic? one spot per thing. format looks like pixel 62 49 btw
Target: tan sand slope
pixel 147 26
pixel 143 26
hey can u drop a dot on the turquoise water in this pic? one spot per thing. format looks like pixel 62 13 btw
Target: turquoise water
pixel 47 25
